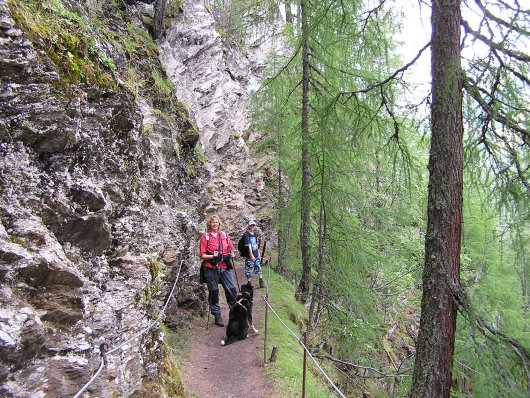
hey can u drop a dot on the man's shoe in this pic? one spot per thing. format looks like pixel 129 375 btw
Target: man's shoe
pixel 218 321
pixel 261 284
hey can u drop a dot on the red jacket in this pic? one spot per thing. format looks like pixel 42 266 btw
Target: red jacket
pixel 212 244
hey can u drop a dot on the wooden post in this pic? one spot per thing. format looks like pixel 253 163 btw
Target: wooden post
pixel 266 316
pixel 263 251
pixel 305 359
pixel 274 354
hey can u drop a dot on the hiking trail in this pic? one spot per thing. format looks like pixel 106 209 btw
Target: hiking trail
pixel 211 370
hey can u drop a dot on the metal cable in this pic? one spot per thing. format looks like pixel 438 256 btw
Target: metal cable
pixel 132 338
pixel 91 380
pixel 306 350
pixel 280 319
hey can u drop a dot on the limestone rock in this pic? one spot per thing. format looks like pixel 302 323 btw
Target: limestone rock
pixel 215 78
pixel 96 212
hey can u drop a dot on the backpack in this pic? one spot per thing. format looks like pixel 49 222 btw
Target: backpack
pixel 243 249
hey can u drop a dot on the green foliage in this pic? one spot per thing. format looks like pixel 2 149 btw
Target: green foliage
pixel 367 186
pixel 168 383
pixel 67 40
pixel 18 241
pixel 181 108
pixel 72 42
pixel 494 279
pixel 498 132
pixel 236 17
pixel 199 153
pixel 368 194
pixel 133 82
pixel 373 234
pixel 143 54
pixel 144 42
pixel 287 369
pixel 175 339
pixel 163 86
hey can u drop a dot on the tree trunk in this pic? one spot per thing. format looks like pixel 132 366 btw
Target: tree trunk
pixel 282 241
pixel 288 13
pixel 432 367
pixel 158 20
pixel 305 227
pixel 322 224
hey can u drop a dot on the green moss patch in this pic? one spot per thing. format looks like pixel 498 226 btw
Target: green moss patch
pixel 66 39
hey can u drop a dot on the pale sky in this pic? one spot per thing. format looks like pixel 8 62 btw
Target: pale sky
pixel 416 33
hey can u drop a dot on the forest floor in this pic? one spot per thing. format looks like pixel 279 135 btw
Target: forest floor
pixel 211 370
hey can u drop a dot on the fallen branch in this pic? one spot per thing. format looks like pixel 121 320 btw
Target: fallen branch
pixel 351 365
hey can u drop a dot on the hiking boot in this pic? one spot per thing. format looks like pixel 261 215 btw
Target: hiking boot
pixel 219 321
pixel 261 284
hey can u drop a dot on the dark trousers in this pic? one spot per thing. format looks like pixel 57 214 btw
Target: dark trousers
pixel 225 277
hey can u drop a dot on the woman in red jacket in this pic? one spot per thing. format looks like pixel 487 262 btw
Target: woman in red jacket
pixel 216 251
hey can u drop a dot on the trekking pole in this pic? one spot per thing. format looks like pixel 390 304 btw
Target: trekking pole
pixel 263 250
pixel 232 259
pixel 209 304
pixel 266 315
pixel 237 280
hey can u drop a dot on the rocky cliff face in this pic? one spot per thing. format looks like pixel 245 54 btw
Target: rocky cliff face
pixel 216 74
pixel 102 187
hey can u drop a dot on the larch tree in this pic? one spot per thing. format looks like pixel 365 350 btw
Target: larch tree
pixel 330 55
pixel 435 347
pixel 305 210
pixel 497 89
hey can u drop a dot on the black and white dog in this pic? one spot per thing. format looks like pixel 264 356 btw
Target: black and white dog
pixel 248 288
pixel 240 316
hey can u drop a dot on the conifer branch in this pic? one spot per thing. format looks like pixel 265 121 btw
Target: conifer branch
pixel 518 9
pixel 466 310
pixel 374 10
pixel 502 22
pixel 385 81
pixel 526 368
pixel 517 164
pixel 381 374
pixel 493 45
pixel 510 69
pixel 396 278
pixel 473 91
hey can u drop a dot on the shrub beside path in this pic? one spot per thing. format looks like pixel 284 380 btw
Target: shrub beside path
pixel 211 370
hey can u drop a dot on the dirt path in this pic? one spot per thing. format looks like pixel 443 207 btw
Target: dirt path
pixel 236 370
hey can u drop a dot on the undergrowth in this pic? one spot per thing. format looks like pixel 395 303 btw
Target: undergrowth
pixel 66 38
pixel 88 49
pixel 287 369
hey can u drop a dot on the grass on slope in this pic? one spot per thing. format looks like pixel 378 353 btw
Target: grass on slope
pixel 287 370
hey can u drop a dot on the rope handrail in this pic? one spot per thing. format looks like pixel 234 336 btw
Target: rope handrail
pixel 305 349
pixel 103 354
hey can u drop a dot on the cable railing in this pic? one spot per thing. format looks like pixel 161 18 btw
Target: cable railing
pixel 302 343
pixel 103 347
